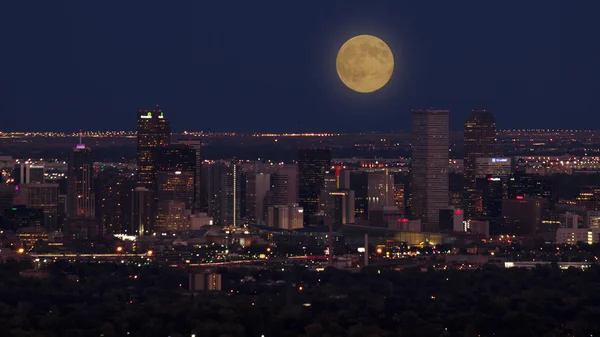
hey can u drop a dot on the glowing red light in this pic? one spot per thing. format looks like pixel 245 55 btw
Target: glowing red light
pixel 519 197
pixel 458 212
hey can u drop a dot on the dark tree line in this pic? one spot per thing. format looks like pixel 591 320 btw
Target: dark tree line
pixel 123 300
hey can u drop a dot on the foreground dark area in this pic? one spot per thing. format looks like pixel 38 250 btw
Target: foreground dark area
pixel 118 300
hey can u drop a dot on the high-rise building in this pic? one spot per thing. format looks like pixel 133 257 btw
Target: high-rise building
pixel 153 133
pixel 312 164
pixel 40 196
pixel 29 173
pixel 342 212
pixel 176 186
pixel 498 167
pixel 113 199
pixel 430 140
pixel 359 183
pixel 257 186
pixel 224 197
pixel 381 190
pixel 81 199
pixel 288 217
pixel 284 185
pixel 479 142
pixel 199 201
pixel 142 201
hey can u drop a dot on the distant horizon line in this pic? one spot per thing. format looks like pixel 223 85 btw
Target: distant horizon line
pixel 274 134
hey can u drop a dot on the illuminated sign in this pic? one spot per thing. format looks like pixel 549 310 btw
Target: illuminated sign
pixel 499 160
pixel 519 197
pixel 161 115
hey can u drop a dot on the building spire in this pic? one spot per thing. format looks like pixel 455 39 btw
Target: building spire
pixel 80 145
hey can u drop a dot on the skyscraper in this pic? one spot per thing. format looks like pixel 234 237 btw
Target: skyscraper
pixel 176 186
pixel 479 142
pixel 312 164
pixel 430 138
pixel 153 133
pixel 81 205
pixel 80 181
pixel 257 186
pixel 224 197
pixel 199 201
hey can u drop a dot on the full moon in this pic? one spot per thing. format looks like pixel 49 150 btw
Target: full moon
pixel 365 63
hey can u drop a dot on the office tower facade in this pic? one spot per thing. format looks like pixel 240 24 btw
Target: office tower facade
pixel 176 187
pixel 284 185
pixel 479 142
pixel 359 183
pixel 112 199
pixel 312 164
pixel 199 201
pixel 224 197
pixel 29 173
pixel 497 167
pixel 288 217
pixel 257 186
pixel 80 181
pixel 342 212
pixel 381 189
pixel 430 138
pixel 40 196
pixel 153 133
pixel 81 199
pixel 142 200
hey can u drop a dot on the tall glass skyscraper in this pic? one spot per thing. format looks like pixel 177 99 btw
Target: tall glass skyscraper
pixel 312 164
pixel 430 138
pixel 153 133
pixel 479 142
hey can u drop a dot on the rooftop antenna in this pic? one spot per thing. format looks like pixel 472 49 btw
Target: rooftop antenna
pixel 80 145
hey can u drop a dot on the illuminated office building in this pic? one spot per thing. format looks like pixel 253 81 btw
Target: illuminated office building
pixel 199 198
pixel 257 186
pixel 29 173
pixel 142 201
pixel 40 196
pixel 81 199
pixel 223 193
pixel 430 141
pixel 479 142
pixel 80 181
pixel 497 167
pixel 312 164
pixel 153 133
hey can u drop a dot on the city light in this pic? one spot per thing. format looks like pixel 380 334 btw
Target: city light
pixel 119 249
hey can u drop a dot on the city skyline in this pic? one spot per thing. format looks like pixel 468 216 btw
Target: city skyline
pixel 532 67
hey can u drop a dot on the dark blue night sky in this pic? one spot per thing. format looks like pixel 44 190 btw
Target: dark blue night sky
pixel 270 65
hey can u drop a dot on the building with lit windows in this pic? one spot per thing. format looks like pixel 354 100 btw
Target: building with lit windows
pixel 142 208
pixel 430 142
pixel 288 217
pixel 40 196
pixel 381 190
pixel 312 164
pixel 499 167
pixel 224 193
pixel 81 198
pixel 28 173
pixel 153 133
pixel 479 142
pixel 257 186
